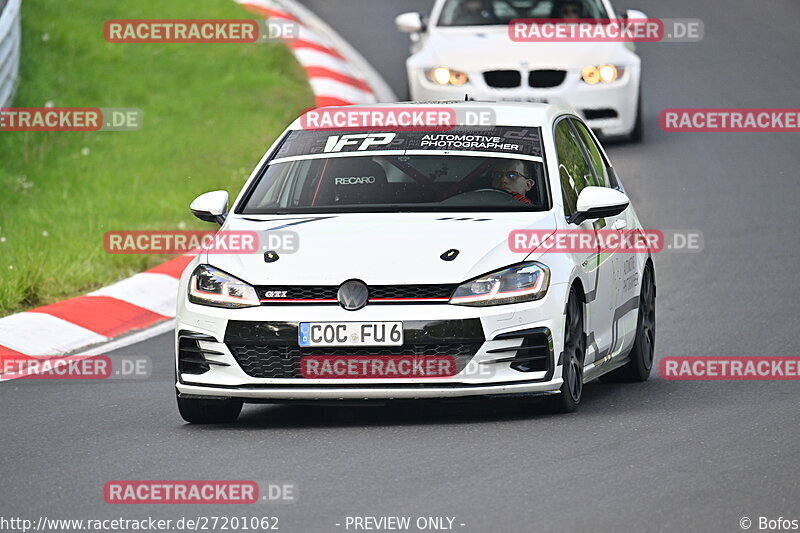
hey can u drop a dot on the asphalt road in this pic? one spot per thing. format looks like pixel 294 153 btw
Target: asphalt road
pixel 659 456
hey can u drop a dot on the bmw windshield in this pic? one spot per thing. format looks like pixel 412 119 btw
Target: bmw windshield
pixel 497 12
pixel 491 169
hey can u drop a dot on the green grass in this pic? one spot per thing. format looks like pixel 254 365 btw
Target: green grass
pixel 210 112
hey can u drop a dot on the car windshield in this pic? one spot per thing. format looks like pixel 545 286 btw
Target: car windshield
pixel 393 183
pixel 460 168
pixel 501 12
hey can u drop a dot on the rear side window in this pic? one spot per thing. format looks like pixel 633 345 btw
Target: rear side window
pixel 573 169
pixel 595 157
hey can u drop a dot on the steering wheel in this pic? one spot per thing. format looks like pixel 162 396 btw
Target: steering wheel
pixel 468 194
pixel 497 191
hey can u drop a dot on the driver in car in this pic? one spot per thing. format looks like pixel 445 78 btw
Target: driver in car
pixel 568 9
pixel 472 12
pixel 512 177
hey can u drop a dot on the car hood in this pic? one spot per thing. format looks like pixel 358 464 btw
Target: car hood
pixel 474 48
pixel 381 248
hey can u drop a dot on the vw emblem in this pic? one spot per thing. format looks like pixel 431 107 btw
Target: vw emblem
pixel 353 295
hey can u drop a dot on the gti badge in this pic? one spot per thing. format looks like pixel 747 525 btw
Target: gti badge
pixel 275 294
pixel 353 295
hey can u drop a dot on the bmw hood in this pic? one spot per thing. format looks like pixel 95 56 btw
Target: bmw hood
pixel 473 49
pixel 380 248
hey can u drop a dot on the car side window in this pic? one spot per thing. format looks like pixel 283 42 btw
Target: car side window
pixel 574 172
pixel 595 157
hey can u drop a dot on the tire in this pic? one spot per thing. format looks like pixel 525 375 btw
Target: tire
pixel 197 411
pixel 637 135
pixel 641 363
pixel 569 396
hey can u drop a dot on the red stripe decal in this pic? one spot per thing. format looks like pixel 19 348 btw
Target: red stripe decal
pixel 409 299
pixel 314 46
pixel 173 268
pixel 322 72
pixel 102 314
pixel 284 300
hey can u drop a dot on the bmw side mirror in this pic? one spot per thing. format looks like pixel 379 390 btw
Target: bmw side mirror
pixel 634 14
pixel 211 207
pixel 599 202
pixel 410 23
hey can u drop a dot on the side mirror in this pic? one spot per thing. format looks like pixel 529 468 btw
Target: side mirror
pixel 634 14
pixel 211 207
pixel 599 202
pixel 410 22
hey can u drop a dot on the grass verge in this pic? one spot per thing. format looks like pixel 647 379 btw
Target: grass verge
pixel 210 112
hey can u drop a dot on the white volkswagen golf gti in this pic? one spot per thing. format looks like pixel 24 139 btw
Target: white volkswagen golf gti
pixel 464 47
pixel 409 278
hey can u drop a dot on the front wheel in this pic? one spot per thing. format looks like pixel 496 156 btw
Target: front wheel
pixel 569 396
pixel 212 411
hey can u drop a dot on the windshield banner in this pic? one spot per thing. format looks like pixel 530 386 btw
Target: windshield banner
pixel 497 139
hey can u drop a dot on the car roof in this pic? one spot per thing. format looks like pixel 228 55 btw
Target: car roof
pixel 506 113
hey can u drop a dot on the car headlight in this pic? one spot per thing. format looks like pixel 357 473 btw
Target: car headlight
pixel 446 76
pixel 520 283
pixel 605 73
pixel 209 286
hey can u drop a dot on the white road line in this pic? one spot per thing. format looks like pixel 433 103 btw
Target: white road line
pixel 134 338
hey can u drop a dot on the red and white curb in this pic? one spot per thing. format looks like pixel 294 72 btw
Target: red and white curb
pixel 337 73
pixel 135 303
pixel 144 305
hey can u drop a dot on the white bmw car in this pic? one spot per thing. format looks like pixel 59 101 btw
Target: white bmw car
pixel 406 282
pixel 464 48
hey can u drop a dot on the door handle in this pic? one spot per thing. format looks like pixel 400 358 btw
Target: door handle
pixel 620 224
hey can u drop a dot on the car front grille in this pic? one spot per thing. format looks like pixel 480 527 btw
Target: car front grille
pixel 273 361
pixel 502 79
pixel 542 79
pixel 326 294
pixel 271 350
pixel 538 79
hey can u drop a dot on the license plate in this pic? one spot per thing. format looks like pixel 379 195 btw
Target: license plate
pixel 350 334
pixel 527 99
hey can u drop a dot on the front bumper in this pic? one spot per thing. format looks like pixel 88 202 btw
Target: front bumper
pixel 494 331
pixel 609 109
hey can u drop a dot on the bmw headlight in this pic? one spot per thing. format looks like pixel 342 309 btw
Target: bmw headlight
pixel 520 283
pixel 605 73
pixel 446 76
pixel 209 286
